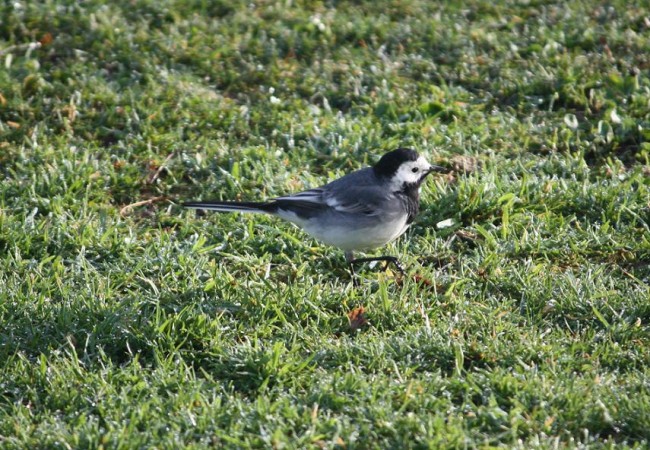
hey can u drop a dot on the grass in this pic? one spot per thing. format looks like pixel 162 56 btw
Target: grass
pixel 127 322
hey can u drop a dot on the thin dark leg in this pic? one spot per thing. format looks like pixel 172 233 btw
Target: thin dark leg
pixel 349 258
pixel 388 259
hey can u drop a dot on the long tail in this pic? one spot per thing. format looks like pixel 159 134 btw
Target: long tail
pixel 245 207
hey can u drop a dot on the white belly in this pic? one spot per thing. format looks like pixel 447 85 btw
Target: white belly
pixel 364 238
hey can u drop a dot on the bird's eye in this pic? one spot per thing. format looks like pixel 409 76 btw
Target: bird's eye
pixel 414 170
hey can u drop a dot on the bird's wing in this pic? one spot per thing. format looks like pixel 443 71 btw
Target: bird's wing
pixel 354 199
pixel 355 193
pixel 357 199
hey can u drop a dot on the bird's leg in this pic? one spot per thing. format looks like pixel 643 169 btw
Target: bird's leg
pixel 398 265
pixel 388 259
pixel 349 258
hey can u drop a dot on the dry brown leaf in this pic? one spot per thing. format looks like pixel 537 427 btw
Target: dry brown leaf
pixel 46 39
pixel 357 318
pixel 465 164
pixel 421 280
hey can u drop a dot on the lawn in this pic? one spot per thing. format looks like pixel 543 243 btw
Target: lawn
pixel 128 322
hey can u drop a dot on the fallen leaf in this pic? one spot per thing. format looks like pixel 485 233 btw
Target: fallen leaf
pixel 46 39
pixel 465 164
pixel 357 318
pixel 421 280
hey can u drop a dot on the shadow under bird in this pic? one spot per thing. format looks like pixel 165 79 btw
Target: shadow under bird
pixel 360 211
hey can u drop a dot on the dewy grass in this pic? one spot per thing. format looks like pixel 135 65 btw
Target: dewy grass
pixel 126 322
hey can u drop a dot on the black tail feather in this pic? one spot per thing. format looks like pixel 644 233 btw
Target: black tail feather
pixel 262 207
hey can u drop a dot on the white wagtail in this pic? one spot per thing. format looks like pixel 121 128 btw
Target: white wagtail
pixel 362 210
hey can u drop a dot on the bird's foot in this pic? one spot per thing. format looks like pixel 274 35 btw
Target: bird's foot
pixel 387 259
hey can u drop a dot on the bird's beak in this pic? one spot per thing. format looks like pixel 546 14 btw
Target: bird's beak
pixel 434 168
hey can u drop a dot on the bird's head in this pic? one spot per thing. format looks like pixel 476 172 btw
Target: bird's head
pixel 404 167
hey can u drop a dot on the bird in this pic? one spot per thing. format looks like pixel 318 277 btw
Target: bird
pixel 360 211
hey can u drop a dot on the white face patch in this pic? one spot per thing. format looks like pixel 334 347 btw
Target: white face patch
pixel 410 172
